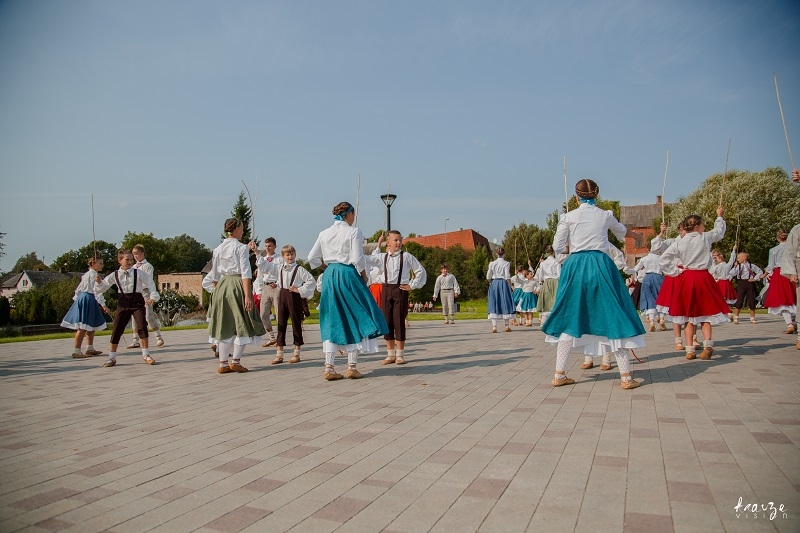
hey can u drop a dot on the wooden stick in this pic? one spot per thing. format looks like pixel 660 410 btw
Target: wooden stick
pixel 736 242
pixel 94 239
pixel 252 213
pixel 526 249
pixel 791 159
pixel 664 188
pixel 566 194
pixel 358 197
pixel 724 174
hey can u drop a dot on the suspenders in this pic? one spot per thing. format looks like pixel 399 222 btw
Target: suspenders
pixel 291 281
pixel 116 275
pixel 386 272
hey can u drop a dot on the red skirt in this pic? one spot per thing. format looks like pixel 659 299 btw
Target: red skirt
pixel 257 302
pixel 697 295
pixel 781 291
pixel 665 294
pixel 377 291
pixel 727 290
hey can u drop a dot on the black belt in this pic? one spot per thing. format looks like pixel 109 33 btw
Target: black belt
pixel 445 289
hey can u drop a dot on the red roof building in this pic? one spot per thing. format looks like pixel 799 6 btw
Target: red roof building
pixel 467 238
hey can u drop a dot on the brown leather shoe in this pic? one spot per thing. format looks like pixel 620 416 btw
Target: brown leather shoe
pixel 389 360
pixel 587 366
pixel 278 360
pixel 149 360
pixel 237 367
pixel 690 355
pixel 663 326
pixel 110 363
pixel 332 376
pixel 627 385
pixel 562 381
pixel 295 358
pixel 788 331
pixel 798 345
pixel 652 327
pixel 352 373
pixel 399 360
pixel 93 352
pixel 605 366
pixel 80 355
pixel 224 369
pixel 706 353
pixel 507 330
pixel 679 346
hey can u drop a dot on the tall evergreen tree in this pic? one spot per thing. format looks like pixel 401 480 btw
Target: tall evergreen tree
pixel 242 212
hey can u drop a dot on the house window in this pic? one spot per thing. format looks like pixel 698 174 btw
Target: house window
pixel 24 282
pixel 163 286
pixel 176 285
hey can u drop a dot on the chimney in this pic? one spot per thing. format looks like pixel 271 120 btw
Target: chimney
pixel 658 200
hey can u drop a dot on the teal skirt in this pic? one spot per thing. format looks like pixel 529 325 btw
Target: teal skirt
pixel 227 318
pixel 592 300
pixel 348 313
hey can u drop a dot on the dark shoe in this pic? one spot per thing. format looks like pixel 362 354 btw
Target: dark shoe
pixel 93 352
pixel 80 355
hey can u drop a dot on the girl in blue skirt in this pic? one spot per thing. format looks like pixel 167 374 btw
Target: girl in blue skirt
pixel 349 318
pixel 85 315
pixel 501 303
pixel 592 311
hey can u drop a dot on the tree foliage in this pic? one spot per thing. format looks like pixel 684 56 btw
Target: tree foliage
pixel 29 262
pixel 186 254
pixel 758 202
pixel 78 260
pixel 156 250
pixel 525 243
pixel 242 212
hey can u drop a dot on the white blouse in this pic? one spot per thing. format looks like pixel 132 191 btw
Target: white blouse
pixel 586 228
pixel 410 264
pixel 230 258
pixel 550 268
pixel 340 243
pixel 693 251
pixel 143 283
pixel 499 269
pixel 89 284
pixel 775 257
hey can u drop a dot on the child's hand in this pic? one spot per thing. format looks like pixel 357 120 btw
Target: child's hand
pixel 719 211
pixel 294 289
pixel 149 303
pixel 793 278
pixel 98 279
pixel 405 287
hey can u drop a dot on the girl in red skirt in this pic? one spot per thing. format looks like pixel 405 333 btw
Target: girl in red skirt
pixel 665 294
pixel 696 299
pixel 721 271
pixel 781 297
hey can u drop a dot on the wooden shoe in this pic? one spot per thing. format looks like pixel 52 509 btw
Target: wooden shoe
pixel 627 385
pixel 332 376
pixel 80 355
pixel 92 352
pixel 295 358
pixel 399 360
pixel 237 367
pixel 149 360
pixel 389 360
pixel 706 353
pixel 278 360
pixel 224 369
pixel 562 381
pixel 605 366
pixel 110 363
pixel 587 366
pixel 690 355
pixel 352 373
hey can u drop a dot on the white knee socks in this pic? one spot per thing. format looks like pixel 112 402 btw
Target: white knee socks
pixel 624 363
pixel 562 354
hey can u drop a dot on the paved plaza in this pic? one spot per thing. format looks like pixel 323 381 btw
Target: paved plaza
pixel 468 436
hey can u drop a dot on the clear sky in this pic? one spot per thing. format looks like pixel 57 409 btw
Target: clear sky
pixel 161 108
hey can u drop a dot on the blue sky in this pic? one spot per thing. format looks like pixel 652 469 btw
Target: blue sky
pixel 160 109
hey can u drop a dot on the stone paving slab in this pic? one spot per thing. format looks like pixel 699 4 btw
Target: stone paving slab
pixel 468 436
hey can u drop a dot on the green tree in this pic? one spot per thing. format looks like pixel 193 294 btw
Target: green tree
pixel 188 255
pixel 29 262
pixel 242 212
pixel 526 242
pixel 757 202
pixel 156 250
pixel 77 260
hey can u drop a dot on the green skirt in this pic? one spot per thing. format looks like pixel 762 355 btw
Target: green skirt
pixel 227 319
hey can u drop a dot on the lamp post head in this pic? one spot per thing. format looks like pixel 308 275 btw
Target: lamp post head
pixel 388 199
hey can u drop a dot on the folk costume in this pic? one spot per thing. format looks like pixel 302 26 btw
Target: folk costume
pixel 231 327
pixel 350 320
pixel 500 302
pixel 790 262
pixel 547 275
pixel 590 282
pixel 269 291
pixel 651 286
pixel 721 272
pixel 150 314
pixel 781 297
pixel 696 298
pixel 746 274
pixel 85 314
pixel 446 288
pixel 290 304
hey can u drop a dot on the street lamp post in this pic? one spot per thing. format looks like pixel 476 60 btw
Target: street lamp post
pixel 388 199
pixel 445 233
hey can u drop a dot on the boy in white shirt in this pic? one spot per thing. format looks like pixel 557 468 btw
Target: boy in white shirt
pixel 152 320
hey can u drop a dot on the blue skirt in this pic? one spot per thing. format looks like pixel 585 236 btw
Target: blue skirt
pixel 501 304
pixel 649 291
pixel 527 304
pixel 516 296
pixel 592 300
pixel 348 313
pixel 85 314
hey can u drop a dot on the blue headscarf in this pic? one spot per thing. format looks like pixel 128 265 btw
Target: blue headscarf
pixel 342 215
